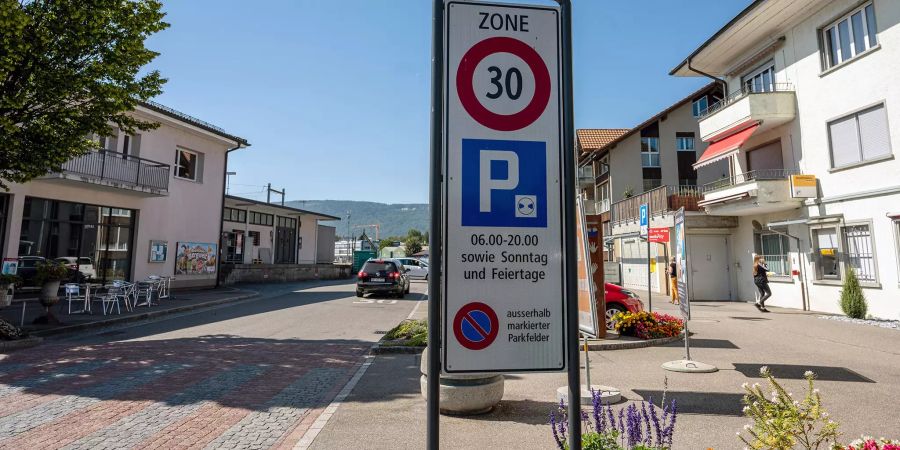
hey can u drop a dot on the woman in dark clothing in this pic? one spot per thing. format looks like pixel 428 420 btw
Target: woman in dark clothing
pixel 761 279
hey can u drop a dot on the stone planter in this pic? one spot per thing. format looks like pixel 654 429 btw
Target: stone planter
pixel 465 394
pixel 49 292
pixel 5 299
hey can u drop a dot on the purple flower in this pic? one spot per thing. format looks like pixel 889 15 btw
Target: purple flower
pixel 599 419
pixel 556 437
pixel 645 421
pixel 634 426
pixel 654 417
pixel 612 417
pixel 669 433
pixel 621 421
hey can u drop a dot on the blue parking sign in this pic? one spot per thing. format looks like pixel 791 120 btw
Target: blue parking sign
pixel 645 220
pixel 504 183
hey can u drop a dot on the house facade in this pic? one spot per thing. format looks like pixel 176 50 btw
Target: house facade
pixel 140 205
pixel 809 129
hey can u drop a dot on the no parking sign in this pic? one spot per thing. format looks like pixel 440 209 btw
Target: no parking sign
pixel 503 284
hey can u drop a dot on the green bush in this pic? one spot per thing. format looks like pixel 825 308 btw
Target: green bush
pixel 410 333
pixel 853 301
pixel 51 271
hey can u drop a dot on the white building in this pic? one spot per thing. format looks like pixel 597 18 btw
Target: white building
pixel 814 90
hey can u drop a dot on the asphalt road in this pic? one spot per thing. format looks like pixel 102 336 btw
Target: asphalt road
pixel 255 374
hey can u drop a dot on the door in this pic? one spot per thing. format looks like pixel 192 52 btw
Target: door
pixel 415 268
pixel 285 238
pixel 710 271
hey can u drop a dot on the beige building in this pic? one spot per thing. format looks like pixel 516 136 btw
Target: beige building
pixel 813 90
pixel 141 205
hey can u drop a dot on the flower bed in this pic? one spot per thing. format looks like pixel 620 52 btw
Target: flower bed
pixel 646 325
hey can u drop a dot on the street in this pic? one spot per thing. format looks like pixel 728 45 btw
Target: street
pixel 255 374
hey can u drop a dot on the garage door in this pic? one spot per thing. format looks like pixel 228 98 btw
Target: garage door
pixel 710 271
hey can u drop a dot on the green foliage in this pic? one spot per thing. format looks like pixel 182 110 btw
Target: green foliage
pixel 411 333
pixel 413 245
pixel 598 441
pixel 7 279
pixel 853 301
pixel 782 423
pixel 388 242
pixel 69 68
pixel 51 271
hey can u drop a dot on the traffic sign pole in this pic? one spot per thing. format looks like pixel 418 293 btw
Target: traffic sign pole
pixel 435 236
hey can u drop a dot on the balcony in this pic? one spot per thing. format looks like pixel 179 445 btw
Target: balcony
pixel 750 193
pixel 586 176
pixel 117 171
pixel 662 201
pixel 770 109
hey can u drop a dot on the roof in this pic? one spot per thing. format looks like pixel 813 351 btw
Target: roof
pixel 277 206
pixel 191 120
pixel 591 139
pixel 657 116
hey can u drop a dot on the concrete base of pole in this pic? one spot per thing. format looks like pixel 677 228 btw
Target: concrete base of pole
pixel 688 366
pixel 608 395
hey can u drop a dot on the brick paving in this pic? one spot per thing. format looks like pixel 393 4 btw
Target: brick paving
pixel 196 392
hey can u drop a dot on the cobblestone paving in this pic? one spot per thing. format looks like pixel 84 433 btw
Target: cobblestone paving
pixel 208 392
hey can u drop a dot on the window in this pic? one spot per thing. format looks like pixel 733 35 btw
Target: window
pixel 826 254
pixel 774 248
pixel 187 165
pixel 254 236
pixel 862 136
pixel 287 222
pixel 234 215
pixel 603 197
pixel 652 183
pixel 859 252
pixel 261 219
pixel 849 36
pixel 761 79
pixel 700 106
pixel 684 142
pixel 650 152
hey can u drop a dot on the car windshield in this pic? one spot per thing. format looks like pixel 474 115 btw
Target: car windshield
pixel 29 262
pixel 84 261
pixel 375 267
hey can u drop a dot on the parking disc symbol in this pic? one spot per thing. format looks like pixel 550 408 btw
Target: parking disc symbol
pixel 475 326
pixel 526 206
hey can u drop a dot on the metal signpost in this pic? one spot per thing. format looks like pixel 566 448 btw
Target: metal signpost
pixel 645 232
pixel 502 196
pixel 682 270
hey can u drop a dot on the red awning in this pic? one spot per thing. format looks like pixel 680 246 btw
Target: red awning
pixel 725 147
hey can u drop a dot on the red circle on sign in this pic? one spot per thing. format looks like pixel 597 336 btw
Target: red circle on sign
pixel 465 90
pixel 476 325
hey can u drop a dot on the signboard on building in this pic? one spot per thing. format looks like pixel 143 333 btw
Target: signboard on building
pixel 195 258
pixel 587 308
pixel 503 283
pixel 645 220
pixel 803 186
pixel 159 251
pixel 10 266
pixel 659 235
pixel 681 265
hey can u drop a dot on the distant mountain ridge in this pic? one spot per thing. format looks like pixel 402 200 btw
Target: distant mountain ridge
pixel 395 219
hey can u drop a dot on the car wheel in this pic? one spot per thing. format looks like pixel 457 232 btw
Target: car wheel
pixel 359 293
pixel 612 310
pixel 407 288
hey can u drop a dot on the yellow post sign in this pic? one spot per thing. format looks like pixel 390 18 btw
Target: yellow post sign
pixel 803 186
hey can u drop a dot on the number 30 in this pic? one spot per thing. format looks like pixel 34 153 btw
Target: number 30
pixel 495 80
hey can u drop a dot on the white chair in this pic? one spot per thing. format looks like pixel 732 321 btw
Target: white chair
pixel 146 289
pixel 73 294
pixel 165 286
pixel 110 298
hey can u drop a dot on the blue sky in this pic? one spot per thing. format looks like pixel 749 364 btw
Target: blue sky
pixel 334 94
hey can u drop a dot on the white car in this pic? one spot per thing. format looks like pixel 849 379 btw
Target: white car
pixel 417 268
pixel 81 264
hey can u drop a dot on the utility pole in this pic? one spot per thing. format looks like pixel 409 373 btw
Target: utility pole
pixel 269 192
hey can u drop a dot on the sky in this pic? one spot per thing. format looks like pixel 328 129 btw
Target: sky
pixel 334 95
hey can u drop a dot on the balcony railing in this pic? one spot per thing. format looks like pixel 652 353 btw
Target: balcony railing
pixel 118 168
pixel 743 92
pixel 660 201
pixel 753 175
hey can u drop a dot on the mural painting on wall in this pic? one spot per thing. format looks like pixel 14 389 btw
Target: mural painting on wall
pixel 195 258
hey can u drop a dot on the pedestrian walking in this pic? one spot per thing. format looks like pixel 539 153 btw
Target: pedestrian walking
pixel 673 281
pixel 761 279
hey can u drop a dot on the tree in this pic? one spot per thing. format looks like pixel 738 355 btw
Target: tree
pixel 412 245
pixel 853 301
pixel 69 71
pixel 388 242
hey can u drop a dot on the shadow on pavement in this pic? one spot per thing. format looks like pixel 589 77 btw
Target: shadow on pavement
pixel 529 412
pixel 711 403
pixel 705 343
pixel 796 371
pixel 753 319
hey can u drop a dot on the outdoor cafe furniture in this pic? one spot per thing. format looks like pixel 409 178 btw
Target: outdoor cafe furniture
pixel 147 288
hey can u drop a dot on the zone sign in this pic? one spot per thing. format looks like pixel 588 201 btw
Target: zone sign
pixel 503 284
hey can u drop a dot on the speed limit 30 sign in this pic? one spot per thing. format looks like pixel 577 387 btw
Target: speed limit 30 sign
pixel 503 285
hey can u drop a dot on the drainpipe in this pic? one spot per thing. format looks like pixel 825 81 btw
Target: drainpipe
pixel 719 80
pixel 222 214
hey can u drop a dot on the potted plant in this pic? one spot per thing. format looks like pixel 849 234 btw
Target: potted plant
pixel 49 274
pixel 7 280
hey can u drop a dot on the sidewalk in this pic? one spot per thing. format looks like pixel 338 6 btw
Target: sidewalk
pixel 856 367
pixel 180 301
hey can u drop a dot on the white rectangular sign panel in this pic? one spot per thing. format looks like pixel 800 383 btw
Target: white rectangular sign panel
pixel 504 296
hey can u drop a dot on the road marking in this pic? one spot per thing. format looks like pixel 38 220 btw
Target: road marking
pixel 415 310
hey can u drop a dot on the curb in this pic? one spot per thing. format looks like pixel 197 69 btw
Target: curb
pixel 627 345
pixel 6 346
pixel 380 349
pixel 142 316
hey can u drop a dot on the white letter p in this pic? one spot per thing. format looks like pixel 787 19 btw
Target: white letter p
pixel 487 184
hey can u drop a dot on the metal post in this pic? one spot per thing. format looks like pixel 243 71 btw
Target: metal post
pixel 435 237
pixel 687 341
pixel 571 261
pixel 587 364
pixel 649 287
pixel 269 193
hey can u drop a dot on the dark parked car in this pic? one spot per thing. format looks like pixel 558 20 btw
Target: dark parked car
pixel 27 271
pixel 382 276
pixel 619 299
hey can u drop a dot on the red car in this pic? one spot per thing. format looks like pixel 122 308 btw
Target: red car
pixel 619 299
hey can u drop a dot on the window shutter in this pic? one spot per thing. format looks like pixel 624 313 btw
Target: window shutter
pixel 844 141
pixel 874 134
